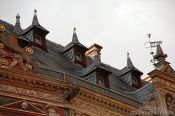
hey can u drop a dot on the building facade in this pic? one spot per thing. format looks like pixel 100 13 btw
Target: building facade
pixel 42 78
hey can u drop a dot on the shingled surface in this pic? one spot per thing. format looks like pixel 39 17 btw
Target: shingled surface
pixel 52 63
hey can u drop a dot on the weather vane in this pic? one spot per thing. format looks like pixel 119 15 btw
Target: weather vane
pixel 152 45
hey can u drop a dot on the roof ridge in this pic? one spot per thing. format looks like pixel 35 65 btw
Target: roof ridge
pixel 7 22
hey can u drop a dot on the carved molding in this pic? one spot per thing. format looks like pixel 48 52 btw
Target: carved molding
pixel 167 83
pixel 34 81
pixel 83 107
pixel 105 102
pixel 93 98
pixel 10 59
pixel 31 93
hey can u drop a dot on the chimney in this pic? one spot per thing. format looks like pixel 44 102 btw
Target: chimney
pixel 94 52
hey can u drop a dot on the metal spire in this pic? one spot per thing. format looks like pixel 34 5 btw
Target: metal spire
pixel 159 54
pixel 129 62
pixel 35 19
pixel 74 37
pixel 17 28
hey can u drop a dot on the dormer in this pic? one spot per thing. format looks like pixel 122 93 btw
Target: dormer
pixel 130 75
pixel 75 51
pixel 96 72
pixel 36 34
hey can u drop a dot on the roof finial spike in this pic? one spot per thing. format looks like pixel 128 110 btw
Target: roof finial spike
pixel 17 28
pixel 35 19
pixel 127 54
pixel 74 37
pixel 149 35
pixel 129 62
pixel 35 11
pixel 17 16
pixel 74 29
pixel 159 54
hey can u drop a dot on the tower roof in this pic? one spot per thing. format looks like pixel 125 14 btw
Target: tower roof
pixel 17 27
pixel 159 54
pixel 74 37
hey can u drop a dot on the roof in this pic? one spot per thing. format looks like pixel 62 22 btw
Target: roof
pixel 74 42
pixel 52 62
pixel 35 23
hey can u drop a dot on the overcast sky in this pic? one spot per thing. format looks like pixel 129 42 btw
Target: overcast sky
pixel 120 26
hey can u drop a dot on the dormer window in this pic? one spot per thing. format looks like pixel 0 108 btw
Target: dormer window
pixel 38 40
pixel 78 56
pixel 100 81
pixel 29 36
pixel 102 78
pixel 135 82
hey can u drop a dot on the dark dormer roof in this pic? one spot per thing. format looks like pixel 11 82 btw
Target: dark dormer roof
pixel 35 23
pixel 91 68
pixel 129 67
pixel 126 74
pixel 74 42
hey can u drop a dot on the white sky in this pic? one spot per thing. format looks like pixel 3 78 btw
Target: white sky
pixel 120 26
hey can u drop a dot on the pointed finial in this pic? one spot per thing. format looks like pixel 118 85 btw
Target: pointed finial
pixel 35 11
pixel 74 37
pixel 159 54
pixel 149 35
pixel 35 19
pixel 129 62
pixel 74 30
pixel 17 16
pixel 17 28
pixel 127 54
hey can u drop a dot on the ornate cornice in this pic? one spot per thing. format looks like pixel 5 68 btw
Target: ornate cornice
pixel 32 81
pixel 36 83
pixel 105 102
pixel 161 75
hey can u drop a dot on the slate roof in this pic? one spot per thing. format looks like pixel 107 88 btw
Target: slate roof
pixel 52 62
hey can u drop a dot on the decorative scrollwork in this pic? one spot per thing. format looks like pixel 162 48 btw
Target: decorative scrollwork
pixel 29 66
pixel 3 61
pixel 28 50
pixel 2 28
